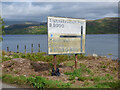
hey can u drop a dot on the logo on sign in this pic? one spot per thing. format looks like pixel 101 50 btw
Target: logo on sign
pixel 51 35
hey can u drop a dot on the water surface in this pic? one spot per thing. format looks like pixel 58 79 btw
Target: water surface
pixel 102 44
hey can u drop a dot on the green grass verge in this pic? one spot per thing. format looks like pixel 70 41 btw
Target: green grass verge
pixel 80 71
pixel 36 82
pixel 115 85
pixel 42 56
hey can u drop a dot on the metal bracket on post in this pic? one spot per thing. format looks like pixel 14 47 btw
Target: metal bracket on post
pixel 75 61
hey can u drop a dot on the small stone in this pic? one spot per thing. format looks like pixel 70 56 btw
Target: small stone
pixel 2 65
pixel 76 78
pixel 25 75
pixel 62 74
pixel 95 55
pixel 5 56
pixel 10 57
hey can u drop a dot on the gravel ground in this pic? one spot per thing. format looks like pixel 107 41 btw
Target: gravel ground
pixel 4 85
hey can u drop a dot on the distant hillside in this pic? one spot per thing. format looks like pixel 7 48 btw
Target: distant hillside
pixel 100 26
pixel 7 23
pixel 26 29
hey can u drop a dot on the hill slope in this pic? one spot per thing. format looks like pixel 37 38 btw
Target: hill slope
pixel 103 26
pixel 100 26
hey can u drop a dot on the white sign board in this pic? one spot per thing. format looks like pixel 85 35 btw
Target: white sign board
pixel 66 35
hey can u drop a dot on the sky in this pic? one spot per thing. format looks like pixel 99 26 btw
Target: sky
pixel 38 11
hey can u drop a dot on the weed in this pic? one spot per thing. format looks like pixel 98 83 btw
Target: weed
pixel 40 82
pixel 82 78
pixel 109 76
pixel 16 55
pixel 80 71
pixel 108 85
pixel 103 66
pixel 81 56
pixel 5 59
pixel 69 63
pixel 14 80
pixel 71 77
pixel 37 82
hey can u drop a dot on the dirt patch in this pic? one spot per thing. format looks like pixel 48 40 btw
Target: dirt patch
pixel 20 66
pixel 99 66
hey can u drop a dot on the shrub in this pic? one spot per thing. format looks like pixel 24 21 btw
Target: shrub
pixel 40 82
pixel 71 77
pixel 79 72
pixel 82 78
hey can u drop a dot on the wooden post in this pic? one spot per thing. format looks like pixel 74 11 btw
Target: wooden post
pixel 17 48
pixel 7 49
pixel 55 62
pixel 75 61
pixel 31 48
pixel 38 47
pixel 25 49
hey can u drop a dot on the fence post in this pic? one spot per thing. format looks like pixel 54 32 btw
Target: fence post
pixel 17 48
pixel 31 48
pixel 25 49
pixel 7 49
pixel 38 47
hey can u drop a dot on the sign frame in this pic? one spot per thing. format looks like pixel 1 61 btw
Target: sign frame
pixel 80 37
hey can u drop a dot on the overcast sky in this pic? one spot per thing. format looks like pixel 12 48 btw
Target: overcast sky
pixel 36 11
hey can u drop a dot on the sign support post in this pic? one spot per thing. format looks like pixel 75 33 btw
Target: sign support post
pixel 65 36
pixel 75 61
pixel 55 62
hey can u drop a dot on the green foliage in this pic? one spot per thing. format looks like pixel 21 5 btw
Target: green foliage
pixel 103 66
pixel 71 77
pixel 109 76
pixel 40 82
pixel 2 27
pixel 37 82
pixel 42 56
pixel 5 58
pixel 69 63
pixel 20 80
pixel 16 56
pixel 79 72
pixel 81 56
pixel 82 78
pixel 107 85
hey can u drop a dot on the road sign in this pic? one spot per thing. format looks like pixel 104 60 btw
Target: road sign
pixel 66 35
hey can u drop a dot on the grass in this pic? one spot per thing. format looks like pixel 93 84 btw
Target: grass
pixel 42 56
pixel 69 63
pixel 98 81
pixel 41 82
pixel 106 81
pixel 80 71
pixel 20 80
pixel 36 82
pixel 115 85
